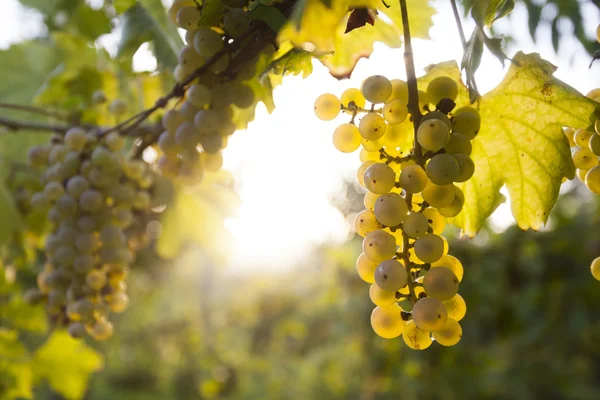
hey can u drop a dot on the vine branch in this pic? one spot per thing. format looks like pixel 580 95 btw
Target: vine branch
pixel 15 125
pixel 461 32
pixel 35 110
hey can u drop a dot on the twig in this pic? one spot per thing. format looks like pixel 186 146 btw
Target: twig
pixel 14 125
pixel 461 32
pixel 35 110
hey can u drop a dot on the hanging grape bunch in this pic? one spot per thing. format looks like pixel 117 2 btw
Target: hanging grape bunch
pixel 410 181
pixel 197 130
pixel 93 196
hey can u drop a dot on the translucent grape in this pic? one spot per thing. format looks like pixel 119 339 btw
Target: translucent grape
pixel 387 321
pixel 415 338
pixel 582 137
pixel 369 200
pixel 456 206
pixel 360 172
pixel 442 169
pixel 118 302
pixel 91 200
pixel 366 268
pixel 114 141
pixel 581 174
pixel 438 196
pixel 449 335
pixel 429 314
pixel 456 307
pixel 415 225
pixel 440 88
pixel 436 221
pixel 381 297
pixel 570 134
pixel 592 179
pixel 391 275
pixel 379 246
pixel 58 154
pixel 377 89
pixel 440 283
pixel 207 42
pixel 365 223
pixel 53 190
pixel 466 167
pixel 379 178
pixel 399 90
pixel 584 159
pixel 327 107
pixel 395 111
pixel 458 144
pixel 467 122
pixel 433 134
pixel 211 162
pixel 189 60
pixel 452 263
pixel 597 126
pixel 372 145
pixel 176 6
pixel 75 138
pixel 372 126
pixel 101 330
pixel 353 96
pixel 199 95
pixel 594 144
pixel 187 136
pixel 437 115
pixel 390 209
pixel 423 100
pixel 429 248
pixel 413 179
pixel 236 22
pixel 346 138
pixel 117 107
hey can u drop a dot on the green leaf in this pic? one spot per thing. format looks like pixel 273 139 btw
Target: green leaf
pixel 16 377
pixel 67 364
pixel 486 12
pixel 90 23
pixel 123 5
pixel 212 13
pixel 521 143
pixel 140 27
pixel 294 62
pixel 25 316
pixel 269 15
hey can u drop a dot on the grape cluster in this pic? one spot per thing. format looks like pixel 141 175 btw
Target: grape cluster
pixel 197 130
pixel 93 197
pixel 410 181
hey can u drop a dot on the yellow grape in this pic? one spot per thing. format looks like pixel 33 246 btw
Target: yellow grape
pixel 423 99
pixel 365 223
pixel 372 145
pixel 582 137
pixel 377 89
pixel 440 283
pixel 415 225
pixel 391 275
pixel 399 90
pixel 327 107
pixel 458 144
pixel 595 268
pixel 387 321
pixel 456 306
pixel 438 196
pixel 436 221
pixel 366 268
pixel 415 338
pixel 390 209
pixel 429 248
pixel 369 200
pixel 467 122
pixel 597 126
pixel 584 158
pixel 593 94
pixel 452 263
pixel 379 178
pixel 456 206
pixel 398 137
pixel 466 167
pixel 581 174
pixel 594 144
pixel 592 179
pixel 570 134
pixel 442 169
pixel 429 314
pixel 369 155
pixel 360 173
pixel 395 111
pixel 433 134
pixel 381 297
pixel 413 179
pixel 440 88
pixel 379 246
pixel 372 126
pixel 449 335
pixel 346 138
pixel 352 95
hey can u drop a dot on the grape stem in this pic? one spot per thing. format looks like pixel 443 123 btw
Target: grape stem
pixel 470 77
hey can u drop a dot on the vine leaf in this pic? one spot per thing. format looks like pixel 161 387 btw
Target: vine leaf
pixel 67 363
pixel 15 367
pixel 486 12
pixel 521 143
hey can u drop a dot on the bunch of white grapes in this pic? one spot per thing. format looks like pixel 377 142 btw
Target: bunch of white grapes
pixel 198 129
pixel 410 191
pixel 93 197
pixel 586 150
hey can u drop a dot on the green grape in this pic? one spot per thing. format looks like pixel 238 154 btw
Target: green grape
pixel 365 223
pixel 236 22
pixel 415 225
pixel 327 107
pixel 211 162
pixel 101 156
pixel 381 297
pixel 413 179
pixel 467 122
pixel 66 206
pixel 58 154
pixel 433 134
pixel 592 179
pixel 379 178
pixel 142 200
pixel 458 144
pixel 584 159
pixel 366 268
pixel 65 255
pixel 390 209
pixel 429 314
pixel 372 126
pixel 466 167
pixel 399 90
pixel 117 107
pixel 75 138
pixel 437 115
pixel 211 144
pixel 377 89
pixel 452 263
pixel 84 263
pixel 449 335
pixel 99 97
pixel 423 100
pixel 95 279
pixel 76 330
pixel 207 42
pixel 39 201
pixel 395 111
pixel 54 190
pixel 346 138
pixel 353 96
pixel 91 201
pixel 582 137
pixel 87 243
pixel 379 245
pixel 176 6
pixel 242 95
pixel 442 169
pixel 208 122
pixel 440 283
pixel 369 200
pixel 415 338
pixel 188 18
pixel 111 235
pixel 38 155
pixel 570 134
pixel 187 136
pixel 118 302
pixel 391 275
pixel 199 95
pixel 436 221
pixel 101 330
pixel 114 141
pixel 440 88
pixel 396 138
pixel 456 306
pixel 456 206
pixel 171 120
pixel 438 196
pixel 189 59
pixel 429 248
pixel 387 321
pixel 594 144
